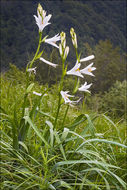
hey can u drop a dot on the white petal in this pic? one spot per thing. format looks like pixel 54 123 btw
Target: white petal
pixel 46 19
pixel 53 44
pixel 48 62
pixel 36 93
pixel 87 58
pixel 75 70
pixel 85 87
pixel 60 49
pixel 66 51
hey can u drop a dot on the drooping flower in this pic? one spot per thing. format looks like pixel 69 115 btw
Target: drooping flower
pixel 52 41
pixel 48 62
pixel 75 70
pixel 32 70
pixel 88 70
pixel 66 96
pixel 36 93
pixel 87 58
pixel 41 19
pixel 85 87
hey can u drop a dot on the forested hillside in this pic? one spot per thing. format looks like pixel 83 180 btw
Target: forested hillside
pixel 92 20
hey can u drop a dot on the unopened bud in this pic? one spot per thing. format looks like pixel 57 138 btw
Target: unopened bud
pixel 63 39
pixel 72 31
pixel 60 50
pixel 40 9
pixel 66 52
pixel 74 37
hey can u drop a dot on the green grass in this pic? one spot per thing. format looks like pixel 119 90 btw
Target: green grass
pixel 88 152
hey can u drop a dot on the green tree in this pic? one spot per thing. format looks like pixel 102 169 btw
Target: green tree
pixel 110 64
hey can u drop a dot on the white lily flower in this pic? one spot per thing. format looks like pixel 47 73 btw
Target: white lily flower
pixel 36 93
pixel 85 87
pixel 32 70
pixel 65 96
pixel 75 70
pixel 48 62
pixel 42 20
pixel 88 70
pixel 87 58
pixel 52 41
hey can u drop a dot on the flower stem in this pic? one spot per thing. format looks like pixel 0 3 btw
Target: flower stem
pixel 65 115
pixel 38 48
pixel 58 109
pixel 60 88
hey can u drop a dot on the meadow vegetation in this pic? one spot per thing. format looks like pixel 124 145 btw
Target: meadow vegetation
pixel 50 140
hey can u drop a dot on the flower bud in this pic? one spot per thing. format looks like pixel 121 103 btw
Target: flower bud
pixel 60 50
pixel 74 37
pixel 40 9
pixel 66 52
pixel 63 39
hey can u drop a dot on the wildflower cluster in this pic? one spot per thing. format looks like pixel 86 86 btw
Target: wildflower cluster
pixel 42 21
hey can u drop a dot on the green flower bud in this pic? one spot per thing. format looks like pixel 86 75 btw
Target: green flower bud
pixel 40 9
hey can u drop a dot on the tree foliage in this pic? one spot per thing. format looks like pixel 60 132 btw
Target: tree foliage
pixel 92 20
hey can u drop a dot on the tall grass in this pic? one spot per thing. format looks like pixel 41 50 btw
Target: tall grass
pixel 87 153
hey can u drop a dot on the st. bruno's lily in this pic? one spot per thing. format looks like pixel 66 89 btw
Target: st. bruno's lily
pixel 87 58
pixel 48 62
pixel 75 70
pixel 42 20
pixel 32 70
pixel 85 87
pixel 52 41
pixel 88 70
pixel 66 96
pixel 36 93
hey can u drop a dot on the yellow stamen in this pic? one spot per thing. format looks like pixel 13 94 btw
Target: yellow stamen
pixel 90 70
pixel 78 69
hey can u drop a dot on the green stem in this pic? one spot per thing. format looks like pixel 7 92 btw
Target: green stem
pixel 60 88
pixel 58 109
pixel 38 48
pixel 65 116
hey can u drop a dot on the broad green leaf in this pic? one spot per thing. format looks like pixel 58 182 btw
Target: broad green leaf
pixel 51 132
pixel 29 88
pixel 71 162
pixel 27 119
pixel 90 125
pixel 80 119
pixel 64 134
pixel 23 145
pixel 62 183
pixel 102 141
pixel 60 144
pixel 46 114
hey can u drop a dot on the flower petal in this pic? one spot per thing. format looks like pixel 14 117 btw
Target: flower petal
pixel 87 58
pixel 48 62
pixel 36 93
